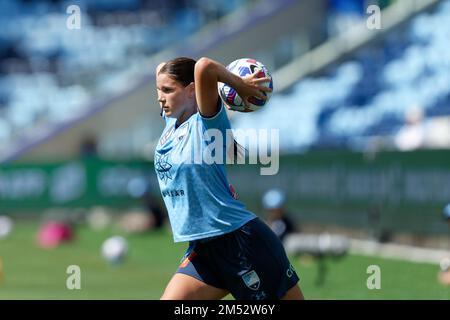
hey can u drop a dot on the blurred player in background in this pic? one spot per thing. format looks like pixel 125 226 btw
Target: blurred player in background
pixel 444 273
pixel 446 214
pixel 278 219
pixel 230 249
pixel 155 210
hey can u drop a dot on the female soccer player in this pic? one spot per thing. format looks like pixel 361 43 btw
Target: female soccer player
pixel 230 249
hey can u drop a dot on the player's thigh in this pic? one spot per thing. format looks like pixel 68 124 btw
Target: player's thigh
pixel 184 287
pixel 294 293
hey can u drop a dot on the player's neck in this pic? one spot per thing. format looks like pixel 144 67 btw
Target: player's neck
pixel 184 116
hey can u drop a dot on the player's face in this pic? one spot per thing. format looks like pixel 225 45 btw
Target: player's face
pixel 172 95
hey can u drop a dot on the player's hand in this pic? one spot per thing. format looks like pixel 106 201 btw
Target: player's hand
pixel 231 109
pixel 251 86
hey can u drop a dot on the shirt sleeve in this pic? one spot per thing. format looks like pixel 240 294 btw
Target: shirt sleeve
pixel 219 120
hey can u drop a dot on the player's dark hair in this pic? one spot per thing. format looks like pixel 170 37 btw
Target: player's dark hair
pixel 181 69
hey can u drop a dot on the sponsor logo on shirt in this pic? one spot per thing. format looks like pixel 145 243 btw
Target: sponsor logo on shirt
pixel 173 193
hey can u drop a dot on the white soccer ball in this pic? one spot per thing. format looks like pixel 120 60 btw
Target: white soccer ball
pixel 6 226
pixel 445 264
pixel 114 249
pixel 243 67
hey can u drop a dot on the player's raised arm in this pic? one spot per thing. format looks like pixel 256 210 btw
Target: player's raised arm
pixel 209 72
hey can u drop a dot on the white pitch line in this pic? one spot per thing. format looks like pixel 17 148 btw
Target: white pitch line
pixel 398 251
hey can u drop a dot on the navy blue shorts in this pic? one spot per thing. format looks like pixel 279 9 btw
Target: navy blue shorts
pixel 250 263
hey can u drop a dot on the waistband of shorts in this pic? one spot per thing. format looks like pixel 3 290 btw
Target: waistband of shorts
pixel 209 239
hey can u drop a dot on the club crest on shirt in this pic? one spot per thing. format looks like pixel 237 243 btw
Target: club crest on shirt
pixel 163 167
pixel 251 280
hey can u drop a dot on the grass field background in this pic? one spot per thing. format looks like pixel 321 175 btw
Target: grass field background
pixel 30 272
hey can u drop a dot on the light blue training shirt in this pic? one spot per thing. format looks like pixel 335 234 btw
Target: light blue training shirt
pixel 199 200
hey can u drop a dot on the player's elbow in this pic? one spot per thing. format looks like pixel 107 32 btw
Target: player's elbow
pixel 204 66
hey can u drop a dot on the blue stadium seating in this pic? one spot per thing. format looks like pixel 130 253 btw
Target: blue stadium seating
pixel 49 73
pixel 368 95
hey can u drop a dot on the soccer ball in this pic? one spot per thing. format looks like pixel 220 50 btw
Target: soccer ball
pixel 445 264
pixel 6 226
pixel 114 249
pixel 243 67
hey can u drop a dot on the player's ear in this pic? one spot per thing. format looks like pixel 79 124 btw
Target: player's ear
pixel 191 89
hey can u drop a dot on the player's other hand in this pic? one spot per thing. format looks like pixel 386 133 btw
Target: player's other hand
pixel 251 86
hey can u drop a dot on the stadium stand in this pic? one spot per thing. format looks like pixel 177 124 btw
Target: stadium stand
pixel 369 94
pixel 49 75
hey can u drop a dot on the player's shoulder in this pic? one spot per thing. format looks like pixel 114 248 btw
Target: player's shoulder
pixel 218 119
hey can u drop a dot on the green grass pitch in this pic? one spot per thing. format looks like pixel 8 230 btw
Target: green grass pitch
pixel 30 272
